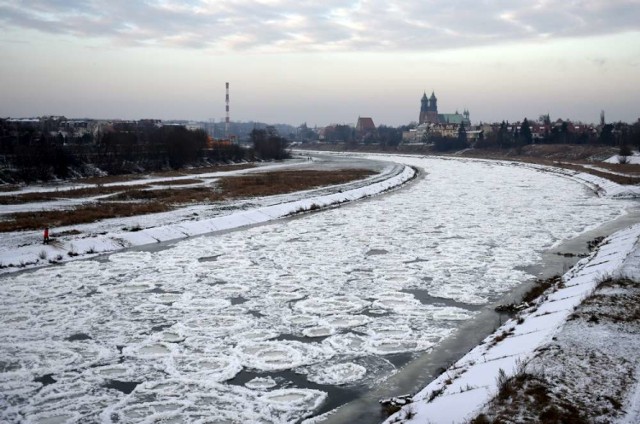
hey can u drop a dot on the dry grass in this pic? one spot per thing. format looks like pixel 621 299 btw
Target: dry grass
pixel 531 399
pixel 110 179
pixel 623 307
pixel 585 382
pixel 135 200
pixel 259 184
pixel 620 179
pixel 572 152
pixel 99 189
pixel 205 170
pixel 9 187
pixel 64 194
pixel 552 152
pixel 19 199
pixel 539 287
pixel 500 337
pixel 629 179
pixel 568 157
pixel 627 168
pixel 186 181
pixel 80 215
pixel 171 196
pixel 270 183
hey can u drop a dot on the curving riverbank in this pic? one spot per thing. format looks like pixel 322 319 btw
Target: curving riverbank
pixel 517 350
pixel 175 226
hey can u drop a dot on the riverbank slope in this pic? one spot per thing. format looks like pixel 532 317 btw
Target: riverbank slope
pixel 570 353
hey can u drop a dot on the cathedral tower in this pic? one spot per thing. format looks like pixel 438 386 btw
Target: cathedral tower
pixel 424 108
pixel 432 113
pixel 433 103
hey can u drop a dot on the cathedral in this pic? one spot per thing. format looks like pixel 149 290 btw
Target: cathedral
pixel 429 113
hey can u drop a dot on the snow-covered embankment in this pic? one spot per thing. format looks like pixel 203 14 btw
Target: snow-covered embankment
pixel 34 254
pixel 460 393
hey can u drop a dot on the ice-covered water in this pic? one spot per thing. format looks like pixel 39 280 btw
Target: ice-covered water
pixel 160 336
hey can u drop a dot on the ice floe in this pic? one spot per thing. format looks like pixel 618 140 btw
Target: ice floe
pixel 331 305
pixel 261 383
pixel 337 374
pixel 280 355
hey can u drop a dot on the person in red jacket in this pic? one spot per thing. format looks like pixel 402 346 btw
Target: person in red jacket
pixel 46 235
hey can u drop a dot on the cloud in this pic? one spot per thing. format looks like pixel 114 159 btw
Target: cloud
pixel 331 25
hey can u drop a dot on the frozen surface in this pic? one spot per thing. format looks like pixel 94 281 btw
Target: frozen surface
pixel 143 336
pixel 472 382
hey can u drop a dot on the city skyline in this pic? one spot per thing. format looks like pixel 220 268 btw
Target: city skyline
pixel 320 63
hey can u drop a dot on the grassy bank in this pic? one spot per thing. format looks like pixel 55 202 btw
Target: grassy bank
pixel 127 201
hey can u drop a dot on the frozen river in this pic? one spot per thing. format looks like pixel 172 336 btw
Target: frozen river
pixel 283 321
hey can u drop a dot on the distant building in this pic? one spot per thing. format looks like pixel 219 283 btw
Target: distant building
pixel 416 135
pixel 365 128
pixel 444 130
pixel 431 123
pixel 429 113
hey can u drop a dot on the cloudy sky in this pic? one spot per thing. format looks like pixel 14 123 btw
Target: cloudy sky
pixel 320 62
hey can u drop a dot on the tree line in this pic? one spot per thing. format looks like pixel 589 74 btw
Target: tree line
pixel 615 134
pixel 29 154
pixel 509 136
pixel 384 136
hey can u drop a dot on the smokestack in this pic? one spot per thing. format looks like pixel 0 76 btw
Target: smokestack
pixel 226 122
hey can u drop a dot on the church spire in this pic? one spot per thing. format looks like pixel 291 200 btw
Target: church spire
pixel 424 103
pixel 433 103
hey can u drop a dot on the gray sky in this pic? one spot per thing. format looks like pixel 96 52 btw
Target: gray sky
pixel 320 62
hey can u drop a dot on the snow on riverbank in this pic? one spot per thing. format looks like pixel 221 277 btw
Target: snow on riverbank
pixel 632 159
pixel 13 257
pixel 459 394
pixel 601 186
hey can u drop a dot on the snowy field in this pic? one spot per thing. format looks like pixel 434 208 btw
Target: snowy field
pixel 264 324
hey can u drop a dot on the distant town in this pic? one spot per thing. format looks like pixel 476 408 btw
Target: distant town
pixel 48 146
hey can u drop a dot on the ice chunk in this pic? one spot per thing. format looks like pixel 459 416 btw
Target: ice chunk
pixel 338 374
pixel 261 383
pixel 295 399
pixel 280 355
pixel 331 305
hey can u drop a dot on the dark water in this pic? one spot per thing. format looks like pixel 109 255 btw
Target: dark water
pixel 125 387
